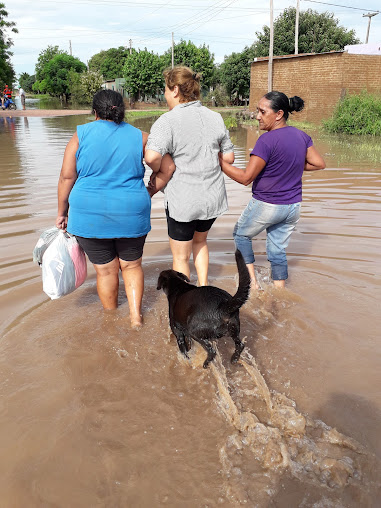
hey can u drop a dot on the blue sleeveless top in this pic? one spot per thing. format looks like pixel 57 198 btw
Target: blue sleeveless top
pixel 109 198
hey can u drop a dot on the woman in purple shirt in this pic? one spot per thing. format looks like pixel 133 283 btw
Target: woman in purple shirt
pixel 275 167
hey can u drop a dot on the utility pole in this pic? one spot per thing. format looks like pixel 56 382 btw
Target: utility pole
pixel 130 41
pixel 369 16
pixel 173 56
pixel 297 28
pixel 70 48
pixel 271 50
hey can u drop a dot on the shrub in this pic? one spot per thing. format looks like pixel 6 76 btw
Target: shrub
pixel 231 122
pixel 220 96
pixel 357 114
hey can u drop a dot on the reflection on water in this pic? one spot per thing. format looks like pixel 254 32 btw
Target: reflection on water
pixel 95 414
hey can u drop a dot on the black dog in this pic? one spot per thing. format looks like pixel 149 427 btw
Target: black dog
pixel 205 313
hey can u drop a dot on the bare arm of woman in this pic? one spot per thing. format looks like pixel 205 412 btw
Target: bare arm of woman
pixel 153 159
pixel 160 179
pixel 66 181
pixel 243 176
pixel 145 137
pixel 314 160
pixel 227 157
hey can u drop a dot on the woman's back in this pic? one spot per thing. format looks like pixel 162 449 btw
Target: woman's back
pixel 109 198
pixel 193 135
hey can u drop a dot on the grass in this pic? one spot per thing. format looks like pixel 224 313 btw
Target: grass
pixel 144 113
pixel 356 114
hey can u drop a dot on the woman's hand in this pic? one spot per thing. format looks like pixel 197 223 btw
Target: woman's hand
pixel 61 222
pixel 243 176
pixel 151 187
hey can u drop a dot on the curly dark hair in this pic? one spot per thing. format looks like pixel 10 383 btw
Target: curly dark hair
pixel 280 101
pixel 109 105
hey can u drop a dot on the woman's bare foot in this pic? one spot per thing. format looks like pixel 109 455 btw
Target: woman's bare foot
pixel 136 322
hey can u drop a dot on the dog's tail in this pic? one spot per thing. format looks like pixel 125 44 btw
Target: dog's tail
pixel 243 290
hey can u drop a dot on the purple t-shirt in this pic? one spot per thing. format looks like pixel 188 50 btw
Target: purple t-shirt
pixel 284 151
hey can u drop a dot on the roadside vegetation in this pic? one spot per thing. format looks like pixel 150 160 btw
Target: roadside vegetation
pixel 357 114
pixel 140 72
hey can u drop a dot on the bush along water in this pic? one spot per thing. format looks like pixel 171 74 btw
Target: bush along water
pixel 357 114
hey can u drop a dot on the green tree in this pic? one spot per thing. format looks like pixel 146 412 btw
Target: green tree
pixel 143 74
pixel 199 59
pixel 235 73
pixel 27 81
pixel 43 58
pixel 56 81
pixel 83 86
pixel 318 33
pixel 7 73
pixel 109 63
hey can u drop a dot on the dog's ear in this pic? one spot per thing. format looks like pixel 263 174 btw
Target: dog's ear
pixel 182 276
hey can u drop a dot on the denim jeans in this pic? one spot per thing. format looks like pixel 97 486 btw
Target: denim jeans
pixel 279 221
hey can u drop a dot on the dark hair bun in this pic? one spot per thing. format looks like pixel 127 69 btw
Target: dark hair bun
pixel 109 105
pixel 295 103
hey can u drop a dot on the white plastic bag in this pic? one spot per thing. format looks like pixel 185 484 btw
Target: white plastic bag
pixel 63 263
pixel 43 243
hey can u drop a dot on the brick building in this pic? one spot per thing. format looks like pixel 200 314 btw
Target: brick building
pixel 320 79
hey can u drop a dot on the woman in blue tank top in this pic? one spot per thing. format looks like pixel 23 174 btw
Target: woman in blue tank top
pixel 103 201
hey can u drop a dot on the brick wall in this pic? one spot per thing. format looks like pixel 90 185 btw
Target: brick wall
pixel 321 80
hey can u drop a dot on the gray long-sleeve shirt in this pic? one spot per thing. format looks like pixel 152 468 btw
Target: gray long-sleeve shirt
pixel 193 135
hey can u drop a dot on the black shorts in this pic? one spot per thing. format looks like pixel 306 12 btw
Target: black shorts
pixel 104 250
pixel 184 231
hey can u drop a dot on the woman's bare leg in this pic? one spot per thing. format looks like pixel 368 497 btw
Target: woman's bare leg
pixel 133 277
pixel 108 283
pixel 181 252
pixel 201 257
pixel 254 283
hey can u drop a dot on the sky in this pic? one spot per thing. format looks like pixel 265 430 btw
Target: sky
pixel 85 27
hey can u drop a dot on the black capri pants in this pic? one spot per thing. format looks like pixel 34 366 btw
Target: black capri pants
pixel 184 231
pixel 104 250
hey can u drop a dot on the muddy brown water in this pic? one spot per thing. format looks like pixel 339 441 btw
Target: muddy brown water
pixel 95 414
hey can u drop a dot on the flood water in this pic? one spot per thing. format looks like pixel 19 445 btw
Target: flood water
pixel 93 414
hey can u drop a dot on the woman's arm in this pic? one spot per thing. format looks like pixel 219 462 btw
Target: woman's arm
pixel 145 137
pixel 227 157
pixel 244 176
pixel 153 159
pixel 66 181
pixel 160 179
pixel 314 160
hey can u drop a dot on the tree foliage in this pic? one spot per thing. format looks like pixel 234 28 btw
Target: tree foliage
pixel 318 33
pixel 7 73
pixel 43 58
pixel 83 86
pixel 56 72
pixel 199 59
pixel 143 74
pixel 109 63
pixel 235 73
pixel 27 81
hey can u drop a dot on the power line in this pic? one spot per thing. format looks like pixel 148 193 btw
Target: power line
pixel 339 5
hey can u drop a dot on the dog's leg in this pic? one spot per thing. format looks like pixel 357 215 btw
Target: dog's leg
pixel 208 348
pixel 188 343
pixel 239 347
pixel 181 341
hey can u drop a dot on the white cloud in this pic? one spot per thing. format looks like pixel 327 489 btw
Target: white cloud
pixel 96 25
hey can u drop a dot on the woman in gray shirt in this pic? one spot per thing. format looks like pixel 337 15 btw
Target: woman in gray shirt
pixel 195 194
